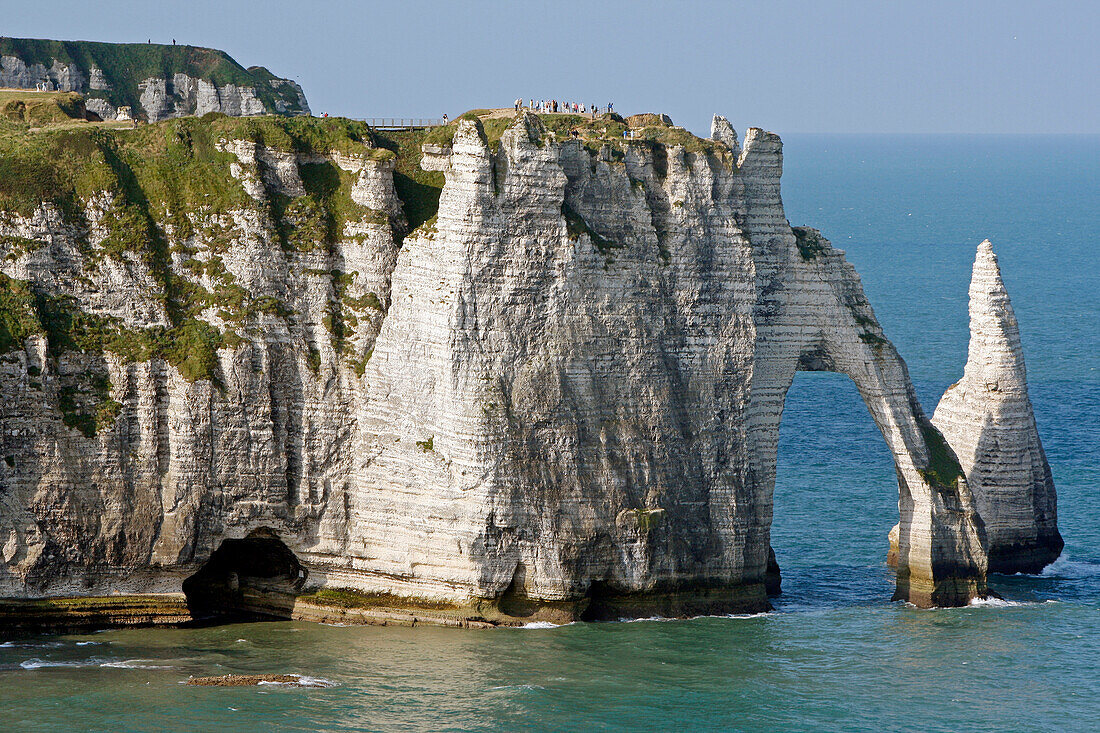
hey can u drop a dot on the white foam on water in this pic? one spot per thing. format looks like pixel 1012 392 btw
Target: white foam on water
pixel 992 602
pixel 301 680
pixel 36 663
pixel 535 625
pixel 89 643
pixel 647 618
pixel 761 614
pixel 526 687
pixel 307 681
pixel 1068 569
pixel 134 664
pixel 33 645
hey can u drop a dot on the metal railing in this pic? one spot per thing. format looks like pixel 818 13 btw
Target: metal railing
pixel 400 123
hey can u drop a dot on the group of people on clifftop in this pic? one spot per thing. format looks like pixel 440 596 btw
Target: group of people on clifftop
pixel 553 106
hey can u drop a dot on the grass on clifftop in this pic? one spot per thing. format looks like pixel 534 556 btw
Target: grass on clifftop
pixel 418 189
pixel 126 65
pixel 36 109
pixel 158 178
pixel 319 135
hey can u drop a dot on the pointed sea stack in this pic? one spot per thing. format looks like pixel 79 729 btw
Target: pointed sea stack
pixel 988 420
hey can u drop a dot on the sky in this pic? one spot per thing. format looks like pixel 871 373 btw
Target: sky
pixel 787 66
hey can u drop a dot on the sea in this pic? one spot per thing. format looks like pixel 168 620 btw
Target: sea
pixel 836 654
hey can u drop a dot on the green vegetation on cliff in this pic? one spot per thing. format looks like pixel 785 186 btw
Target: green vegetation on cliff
pixel 126 65
pixel 350 598
pixel 418 189
pixel 158 193
pixel 36 109
pixel 810 242
pixel 18 317
pixel 575 226
pixel 943 468
pixel 164 195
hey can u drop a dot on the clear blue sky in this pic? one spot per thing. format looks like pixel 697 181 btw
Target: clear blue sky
pixel 800 66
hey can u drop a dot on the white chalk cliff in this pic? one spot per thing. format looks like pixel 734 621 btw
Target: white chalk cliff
pixel 987 418
pixel 562 400
pixel 114 76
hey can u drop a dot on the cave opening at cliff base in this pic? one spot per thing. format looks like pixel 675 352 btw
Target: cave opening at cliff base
pixel 250 579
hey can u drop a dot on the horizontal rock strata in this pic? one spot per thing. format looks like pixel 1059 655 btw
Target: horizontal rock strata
pixel 558 398
pixel 987 418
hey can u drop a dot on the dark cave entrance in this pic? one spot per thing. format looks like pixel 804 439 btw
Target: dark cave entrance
pixel 252 579
pixel 599 606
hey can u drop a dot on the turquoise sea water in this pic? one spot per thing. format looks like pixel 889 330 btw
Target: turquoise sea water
pixel 836 654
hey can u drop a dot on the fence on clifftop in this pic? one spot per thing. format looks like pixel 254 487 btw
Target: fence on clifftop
pixel 400 123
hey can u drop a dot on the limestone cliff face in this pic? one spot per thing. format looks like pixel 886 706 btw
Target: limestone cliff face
pixel 560 396
pixel 156 81
pixel 987 418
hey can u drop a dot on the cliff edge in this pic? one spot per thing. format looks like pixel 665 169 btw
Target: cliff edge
pixel 230 368
pixel 155 81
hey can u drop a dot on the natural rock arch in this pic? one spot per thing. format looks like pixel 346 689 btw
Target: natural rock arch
pixel 829 326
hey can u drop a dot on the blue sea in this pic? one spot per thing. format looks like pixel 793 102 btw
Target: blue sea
pixel 836 654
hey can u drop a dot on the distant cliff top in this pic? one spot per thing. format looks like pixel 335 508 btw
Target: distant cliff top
pixel 148 77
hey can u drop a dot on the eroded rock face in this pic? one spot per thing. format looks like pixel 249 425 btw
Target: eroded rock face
pixel 987 418
pixel 153 98
pixel 561 396
pixel 183 95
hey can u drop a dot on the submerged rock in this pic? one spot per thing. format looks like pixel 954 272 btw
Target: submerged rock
pixel 250 680
pixel 988 419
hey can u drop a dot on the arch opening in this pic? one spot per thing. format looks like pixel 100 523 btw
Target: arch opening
pixel 835 495
pixel 252 579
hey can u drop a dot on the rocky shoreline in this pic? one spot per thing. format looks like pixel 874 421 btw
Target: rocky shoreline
pixel 498 372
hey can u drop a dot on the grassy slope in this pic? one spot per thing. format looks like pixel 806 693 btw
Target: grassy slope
pixel 157 174
pixel 418 189
pixel 41 108
pixel 127 64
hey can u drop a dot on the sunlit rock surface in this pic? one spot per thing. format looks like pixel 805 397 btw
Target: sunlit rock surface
pixel 987 418
pixel 559 398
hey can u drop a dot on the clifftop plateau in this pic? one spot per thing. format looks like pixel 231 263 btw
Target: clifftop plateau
pixel 155 81
pixel 500 371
